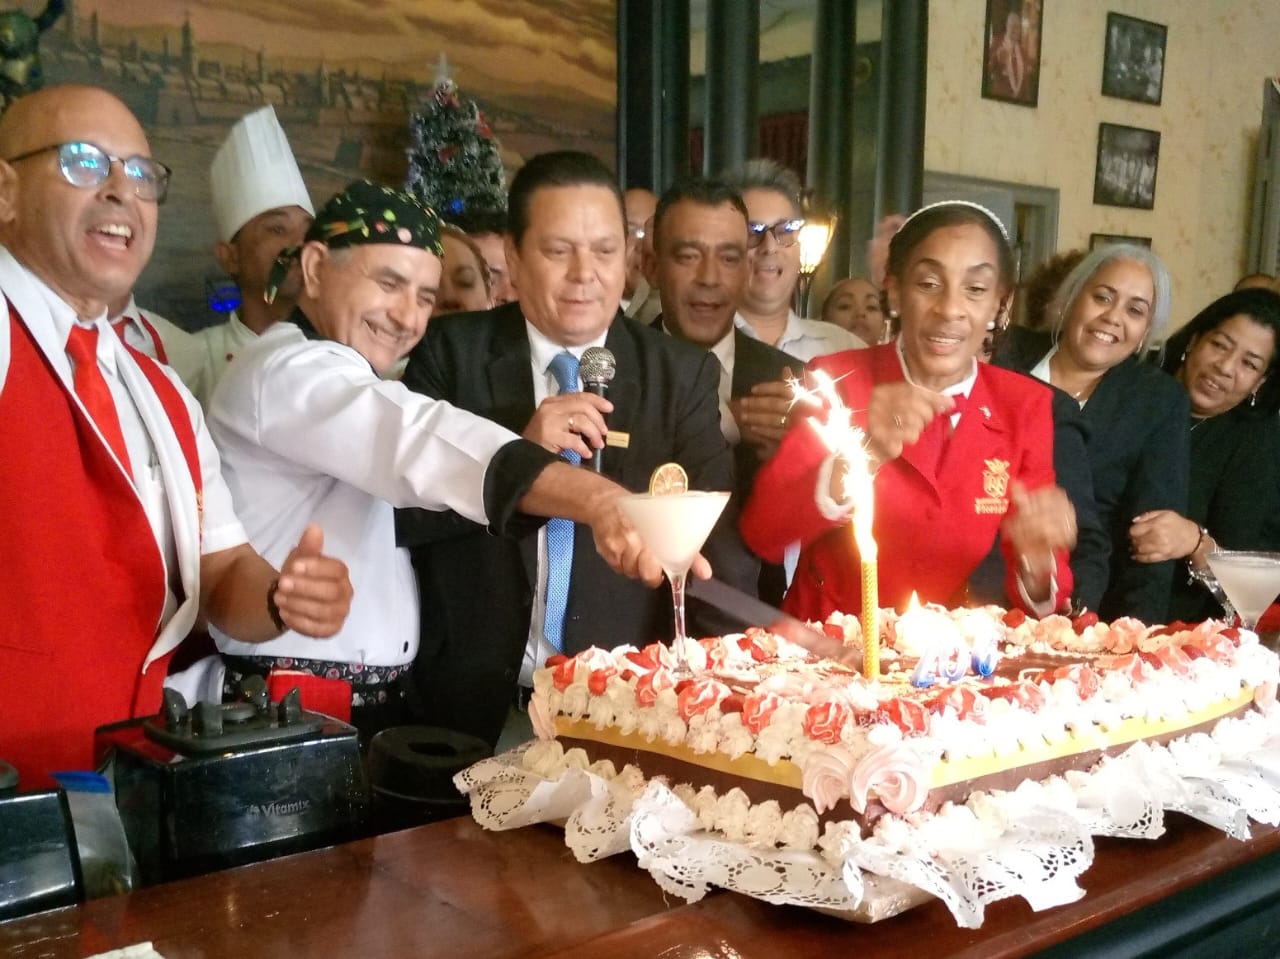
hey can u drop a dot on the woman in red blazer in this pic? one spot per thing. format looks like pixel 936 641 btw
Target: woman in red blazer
pixel 965 450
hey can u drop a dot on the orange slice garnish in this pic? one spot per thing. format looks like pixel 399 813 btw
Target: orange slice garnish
pixel 668 478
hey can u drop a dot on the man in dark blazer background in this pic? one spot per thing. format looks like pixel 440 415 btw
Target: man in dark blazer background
pixel 483 599
pixel 699 266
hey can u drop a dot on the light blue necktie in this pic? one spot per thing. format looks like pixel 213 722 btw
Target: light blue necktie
pixel 564 367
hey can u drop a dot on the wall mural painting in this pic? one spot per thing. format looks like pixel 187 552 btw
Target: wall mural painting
pixel 342 83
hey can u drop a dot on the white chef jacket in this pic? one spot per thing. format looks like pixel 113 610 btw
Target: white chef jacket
pixel 221 344
pixel 310 434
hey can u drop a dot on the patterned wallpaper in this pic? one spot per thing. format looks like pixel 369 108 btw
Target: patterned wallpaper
pixel 1218 55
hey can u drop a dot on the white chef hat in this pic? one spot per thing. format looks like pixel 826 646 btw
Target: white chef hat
pixel 254 171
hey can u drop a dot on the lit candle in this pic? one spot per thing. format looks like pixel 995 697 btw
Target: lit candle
pixel 848 441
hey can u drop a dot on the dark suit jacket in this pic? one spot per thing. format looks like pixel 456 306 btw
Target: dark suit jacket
pixel 1092 555
pixel 1138 453
pixel 476 590
pixel 1235 494
pixel 754 362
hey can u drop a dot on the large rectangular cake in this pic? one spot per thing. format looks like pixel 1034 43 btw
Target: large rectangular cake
pixel 987 732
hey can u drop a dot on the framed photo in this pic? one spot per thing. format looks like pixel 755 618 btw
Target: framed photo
pixel 1011 66
pixel 1126 170
pixel 1133 65
pixel 1098 240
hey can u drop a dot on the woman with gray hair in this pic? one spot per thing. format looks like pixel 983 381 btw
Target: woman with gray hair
pixel 1106 312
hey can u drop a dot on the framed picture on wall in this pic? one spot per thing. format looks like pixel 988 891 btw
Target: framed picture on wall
pixel 1098 240
pixel 1126 171
pixel 1133 64
pixel 1011 67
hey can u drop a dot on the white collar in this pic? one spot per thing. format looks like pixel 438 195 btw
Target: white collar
pixel 723 349
pixel 543 350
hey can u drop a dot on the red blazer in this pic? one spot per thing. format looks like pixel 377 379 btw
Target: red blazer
pixel 931 532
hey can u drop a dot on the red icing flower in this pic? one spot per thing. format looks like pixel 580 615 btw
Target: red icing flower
pixel 1175 659
pixel 1084 621
pixel 1026 695
pixel 562 673
pixel 757 708
pixel 598 681
pixel 732 703
pixel 658 653
pixel 764 646
pixel 824 722
pixel 1087 681
pixel 1014 618
pixel 699 696
pixel 716 652
pixel 650 684
pixel 963 699
pixel 642 661
pixel 909 716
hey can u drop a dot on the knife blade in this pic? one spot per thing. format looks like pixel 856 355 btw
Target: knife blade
pixel 750 611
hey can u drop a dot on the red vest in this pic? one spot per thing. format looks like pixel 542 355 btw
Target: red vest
pixel 82 581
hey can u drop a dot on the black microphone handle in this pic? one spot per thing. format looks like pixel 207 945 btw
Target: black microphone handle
pixel 599 389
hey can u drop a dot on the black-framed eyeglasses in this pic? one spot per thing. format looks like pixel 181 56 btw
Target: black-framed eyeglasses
pixel 785 232
pixel 86 165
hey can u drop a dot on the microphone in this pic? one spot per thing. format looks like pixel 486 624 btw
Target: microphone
pixel 596 369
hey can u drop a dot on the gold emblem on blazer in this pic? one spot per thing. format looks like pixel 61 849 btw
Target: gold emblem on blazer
pixel 995 483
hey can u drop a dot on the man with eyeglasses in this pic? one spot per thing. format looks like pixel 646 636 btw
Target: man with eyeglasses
pixel 772 195
pixel 117 530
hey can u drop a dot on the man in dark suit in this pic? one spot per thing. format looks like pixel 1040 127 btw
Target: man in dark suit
pixel 699 266
pixel 488 616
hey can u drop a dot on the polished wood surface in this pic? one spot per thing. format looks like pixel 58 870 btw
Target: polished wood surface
pixel 450 889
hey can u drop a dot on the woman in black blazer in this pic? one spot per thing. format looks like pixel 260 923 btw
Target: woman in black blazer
pixel 1106 311
pixel 1225 359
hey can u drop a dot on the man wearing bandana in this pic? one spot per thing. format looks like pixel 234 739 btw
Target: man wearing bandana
pixel 308 428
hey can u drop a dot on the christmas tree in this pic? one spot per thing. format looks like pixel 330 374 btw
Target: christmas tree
pixel 454 163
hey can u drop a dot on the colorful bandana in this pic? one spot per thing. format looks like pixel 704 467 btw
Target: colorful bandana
pixel 362 213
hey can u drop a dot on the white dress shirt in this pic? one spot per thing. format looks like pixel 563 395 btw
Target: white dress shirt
pixel 183 351
pixel 804 339
pixel 310 434
pixel 724 350
pixel 541 352
pixel 220 529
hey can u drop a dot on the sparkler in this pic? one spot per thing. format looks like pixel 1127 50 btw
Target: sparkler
pixel 847 441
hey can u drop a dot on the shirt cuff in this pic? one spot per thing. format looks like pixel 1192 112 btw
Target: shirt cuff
pixel 511 472
pixel 829 508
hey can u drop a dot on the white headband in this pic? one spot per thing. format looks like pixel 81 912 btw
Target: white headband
pixel 971 205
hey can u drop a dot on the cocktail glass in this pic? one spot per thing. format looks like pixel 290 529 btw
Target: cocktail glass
pixel 1250 579
pixel 674 526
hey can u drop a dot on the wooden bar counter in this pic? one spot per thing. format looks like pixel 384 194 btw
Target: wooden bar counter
pixel 451 889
